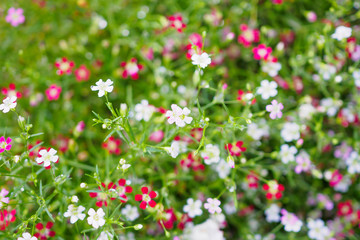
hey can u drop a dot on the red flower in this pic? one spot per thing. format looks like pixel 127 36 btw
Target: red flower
pixel 131 69
pixel 176 21
pixel 34 152
pixel 64 66
pixel 103 196
pixel 184 219
pixel 344 208
pixel 61 142
pixel 168 219
pixel 253 180
pixel 121 189
pixel 196 40
pixel 82 73
pixel 248 35
pixel 273 189
pixel 112 145
pixel 335 178
pixel 6 218
pixel 53 92
pixel 44 233
pixel 262 52
pixel 11 91
pixel 191 162
pixel 146 198
pixel 236 149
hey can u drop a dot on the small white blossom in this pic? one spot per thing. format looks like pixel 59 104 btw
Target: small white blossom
pixel 176 148
pixel 287 154
pixel 341 32
pixel 353 163
pixel 74 199
pixel 330 106
pixel 103 87
pixel 131 213
pixel 193 208
pixel 223 169
pixel 318 230
pixel 211 154
pixel 26 236
pixel 290 132
pixel 144 111
pixel 258 130
pixel 47 157
pixel 96 218
pixel 105 235
pixel 267 89
pixel 75 213
pixel 212 205
pixel 8 104
pixel 306 111
pixel 290 221
pixel 273 213
pixel 202 60
pixel 271 68
pixel 178 116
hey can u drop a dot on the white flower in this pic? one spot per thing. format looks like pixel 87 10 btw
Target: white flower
pixel 273 213
pixel 212 205
pixel 267 89
pixel 223 169
pixel 178 116
pixel 353 163
pixel 130 213
pixel 325 70
pixel 103 87
pixel 176 148
pixel 343 185
pixel 341 32
pixel 105 235
pixel 318 230
pixel 306 111
pixel 330 106
pixel 202 60
pixel 287 154
pixel 290 221
pixel 258 130
pixel 74 199
pixel 356 76
pixel 8 104
pixel 205 231
pixel 96 219
pixel 75 213
pixel 211 154
pixel 193 208
pixel 271 68
pixel 47 157
pixel 144 111
pixel 26 236
pixel 290 132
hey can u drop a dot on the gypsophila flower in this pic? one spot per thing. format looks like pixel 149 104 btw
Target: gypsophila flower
pixel 74 199
pixel 15 16
pixel 193 208
pixel 26 236
pixel 202 60
pixel 178 116
pixel 8 104
pixel 5 144
pixel 222 168
pixel 290 132
pixel 273 213
pixel 271 68
pixel 275 109
pixel 211 154
pixel 3 199
pixel 353 163
pixel 105 235
pixel 144 111
pixel 103 87
pixel 287 153
pixel 290 221
pixel 341 32
pixel 318 230
pixel 96 218
pixel 47 156
pixel 75 213
pixel 212 205
pixel 131 213
pixel 267 89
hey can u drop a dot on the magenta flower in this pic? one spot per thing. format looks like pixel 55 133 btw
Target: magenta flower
pixel 53 92
pixel 275 109
pixel 5 145
pixel 343 151
pixel 15 16
pixel 3 199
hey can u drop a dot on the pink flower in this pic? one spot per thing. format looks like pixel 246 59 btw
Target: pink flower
pixel 53 92
pixel 195 40
pixel 5 145
pixel 277 1
pixel 15 16
pixel 64 66
pixel 156 136
pixel 290 221
pixel 311 16
pixel 6 218
pixel 336 178
pixel 275 109
pixel 248 35
pixel 11 91
pixel 131 69
pixel 82 73
pixel 262 52
pixel 212 205
pixel 343 151
pixel 80 127
pixel 3 199
pixel 304 164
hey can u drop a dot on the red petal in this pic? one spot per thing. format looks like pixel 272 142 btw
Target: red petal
pixel 49 225
pixel 93 194
pixel 153 194
pixel 39 226
pixel 144 190
pixel 122 182
pixel 99 203
pixel 143 205
pixel 138 197
pixel 128 189
pixel 152 203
